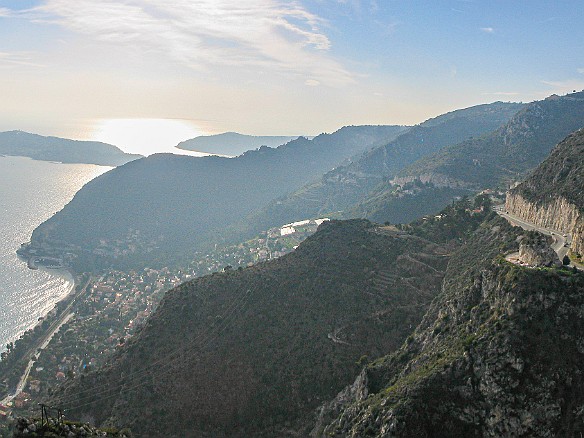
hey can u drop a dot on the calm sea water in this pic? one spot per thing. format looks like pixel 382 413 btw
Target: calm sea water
pixel 30 192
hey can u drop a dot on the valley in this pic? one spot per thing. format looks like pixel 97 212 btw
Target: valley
pixel 272 330
pixel 291 219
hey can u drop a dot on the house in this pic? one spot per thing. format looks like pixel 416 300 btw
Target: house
pixel 21 400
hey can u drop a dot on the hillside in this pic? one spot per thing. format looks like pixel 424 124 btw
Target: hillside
pixel 161 208
pixel 499 353
pixel 340 189
pixel 553 196
pixel 38 147
pixel 507 154
pixel 494 160
pixel 231 143
pixel 252 352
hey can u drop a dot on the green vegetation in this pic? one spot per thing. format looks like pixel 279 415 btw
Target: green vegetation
pixel 53 428
pixel 155 211
pixel 298 327
pixel 489 350
pixel 561 174
pixel 511 151
pixel 494 159
pixel 356 189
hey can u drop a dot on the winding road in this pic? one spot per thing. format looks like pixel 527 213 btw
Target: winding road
pixel 561 241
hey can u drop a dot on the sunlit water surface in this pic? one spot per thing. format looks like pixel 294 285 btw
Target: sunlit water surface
pixel 30 192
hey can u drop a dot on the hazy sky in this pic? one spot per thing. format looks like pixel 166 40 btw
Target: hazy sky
pixel 148 73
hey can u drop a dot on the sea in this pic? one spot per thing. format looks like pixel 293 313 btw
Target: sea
pixel 30 192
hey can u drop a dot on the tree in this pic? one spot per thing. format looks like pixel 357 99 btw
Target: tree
pixel 566 260
pixel 483 201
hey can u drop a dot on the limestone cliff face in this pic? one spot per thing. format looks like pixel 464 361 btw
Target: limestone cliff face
pixel 553 196
pixel 557 214
pixel 437 179
pixel 578 238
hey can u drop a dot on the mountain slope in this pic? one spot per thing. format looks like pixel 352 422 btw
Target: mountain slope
pixel 553 196
pixel 499 353
pixel 511 151
pixel 157 209
pixel 338 190
pixel 231 143
pixel 494 160
pixel 252 352
pixel 35 146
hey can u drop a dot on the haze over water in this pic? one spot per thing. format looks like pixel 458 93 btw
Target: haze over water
pixel 30 192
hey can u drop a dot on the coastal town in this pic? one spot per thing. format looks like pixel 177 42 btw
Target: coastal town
pixel 112 306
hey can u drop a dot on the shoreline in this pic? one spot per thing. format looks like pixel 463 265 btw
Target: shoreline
pixel 63 273
pixel 30 344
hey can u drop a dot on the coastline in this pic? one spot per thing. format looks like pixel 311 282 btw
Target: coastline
pixel 67 275
pixel 34 338
pixel 63 273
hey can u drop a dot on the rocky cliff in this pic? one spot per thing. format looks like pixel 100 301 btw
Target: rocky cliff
pixel 499 353
pixel 553 196
pixel 538 252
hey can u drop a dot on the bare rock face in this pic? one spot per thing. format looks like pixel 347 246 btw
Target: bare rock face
pixel 558 214
pixel 553 196
pixel 578 237
pixel 538 253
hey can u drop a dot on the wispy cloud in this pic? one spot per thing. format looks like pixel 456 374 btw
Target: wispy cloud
pixel 267 34
pixel 487 29
pixel 580 70
pixel 18 59
pixel 5 12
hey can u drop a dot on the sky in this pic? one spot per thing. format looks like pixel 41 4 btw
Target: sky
pixel 146 74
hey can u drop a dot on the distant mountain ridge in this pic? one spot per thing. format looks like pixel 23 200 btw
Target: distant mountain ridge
pixel 160 208
pixel 339 190
pixel 493 160
pixel 508 153
pixel 232 143
pixel 38 147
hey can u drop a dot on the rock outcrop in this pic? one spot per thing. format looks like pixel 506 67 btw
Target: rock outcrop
pixel 538 253
pixel 553 197
pixel 499 353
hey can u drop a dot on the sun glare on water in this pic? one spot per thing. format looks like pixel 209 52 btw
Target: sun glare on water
pixel 145 136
